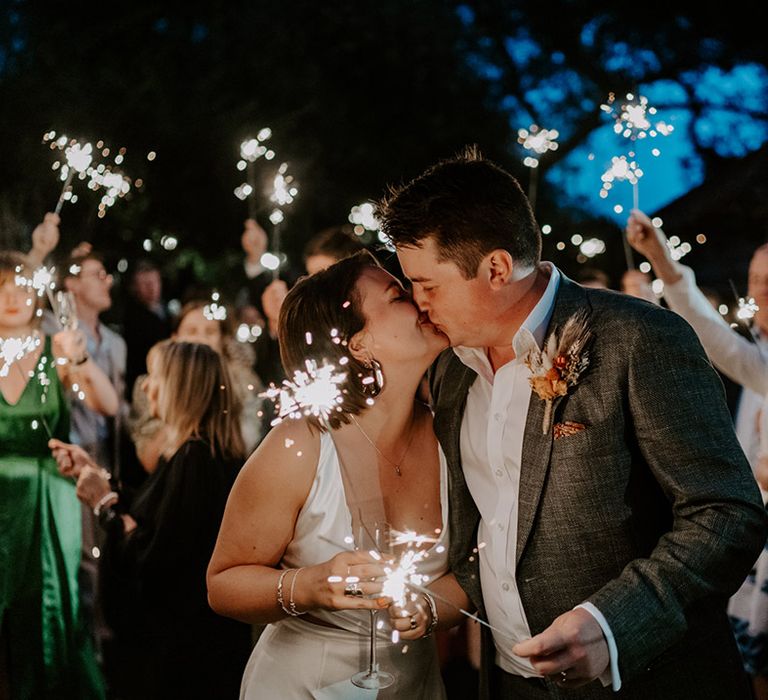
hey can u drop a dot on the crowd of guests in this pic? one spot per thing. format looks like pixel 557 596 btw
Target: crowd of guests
pixel 118 451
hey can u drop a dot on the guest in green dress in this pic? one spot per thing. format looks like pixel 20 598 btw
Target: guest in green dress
pixel 45 651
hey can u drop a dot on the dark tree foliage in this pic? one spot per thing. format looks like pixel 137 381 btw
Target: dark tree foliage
pixel 358 95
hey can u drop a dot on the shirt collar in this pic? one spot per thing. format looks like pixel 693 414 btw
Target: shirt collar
pixel 531 333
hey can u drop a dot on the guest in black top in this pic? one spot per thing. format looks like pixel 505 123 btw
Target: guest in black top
pixel 167 641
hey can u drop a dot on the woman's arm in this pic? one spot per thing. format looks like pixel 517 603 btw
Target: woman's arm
pixel 81 371
pixel 258 525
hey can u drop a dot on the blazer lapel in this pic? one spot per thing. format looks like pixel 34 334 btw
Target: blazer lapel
pixel 537 446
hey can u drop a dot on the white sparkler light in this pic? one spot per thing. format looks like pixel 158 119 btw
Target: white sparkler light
pixel 677 248
pixel 284 188
pixel 314 392
pixel 243 191
pixel 632 118
pixel 215 311
pixel 747 309
pixel 592 247
pixel 362 216
pixel 253 149
pixel 14 349
pixel 402 574
pixel 538 141
pixel 248 334
pixel 621 169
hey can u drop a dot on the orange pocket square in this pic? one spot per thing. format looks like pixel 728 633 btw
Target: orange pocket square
pixel 567 428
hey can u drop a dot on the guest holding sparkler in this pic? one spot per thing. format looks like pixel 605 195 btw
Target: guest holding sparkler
pixel 745 363
pixel 44 647
pixel 45 238
pixel 304 497
pixel 167 642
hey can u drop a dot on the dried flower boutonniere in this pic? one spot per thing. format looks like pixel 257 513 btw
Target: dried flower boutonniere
pixel 559 365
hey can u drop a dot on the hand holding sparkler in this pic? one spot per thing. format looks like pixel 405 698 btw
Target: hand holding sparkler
pixel 45 238
pixel 71 459
pixel 341 583
pixel 69 346
pixel 272 301
pixel 650 241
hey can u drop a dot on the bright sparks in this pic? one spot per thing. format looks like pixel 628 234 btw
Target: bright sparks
pixel 314 392
pixel 538 141
pixel 747 309
pixel 14 349
pixel 633 117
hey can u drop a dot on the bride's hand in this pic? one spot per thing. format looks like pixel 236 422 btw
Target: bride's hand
pixel 322 587
pixel 412 621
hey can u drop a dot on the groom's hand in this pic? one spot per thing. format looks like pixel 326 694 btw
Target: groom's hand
pixel 574 644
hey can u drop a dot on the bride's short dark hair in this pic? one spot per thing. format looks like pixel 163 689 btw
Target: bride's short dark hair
pixel 318 316
pixel 470 206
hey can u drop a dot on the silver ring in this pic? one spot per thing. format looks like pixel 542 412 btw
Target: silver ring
pixel 353 590
pixel 413 623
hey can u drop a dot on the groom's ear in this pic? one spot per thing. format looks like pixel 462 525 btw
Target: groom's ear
pixel 359 347
pixel 498 268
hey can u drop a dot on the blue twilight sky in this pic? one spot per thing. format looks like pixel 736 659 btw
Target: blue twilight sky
pixel 678 169
pixel 559 101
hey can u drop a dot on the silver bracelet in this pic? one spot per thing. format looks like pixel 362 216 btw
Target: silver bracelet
pixel 103 501
pixel 293 611
pixel 280 591
pixel 433 612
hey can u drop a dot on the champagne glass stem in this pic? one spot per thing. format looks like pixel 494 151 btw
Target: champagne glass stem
pixel 372 663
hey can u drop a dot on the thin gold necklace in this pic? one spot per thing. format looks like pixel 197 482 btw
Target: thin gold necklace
pixel 396 465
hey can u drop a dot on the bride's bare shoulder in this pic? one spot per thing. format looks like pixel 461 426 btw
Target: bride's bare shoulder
pixel 290 451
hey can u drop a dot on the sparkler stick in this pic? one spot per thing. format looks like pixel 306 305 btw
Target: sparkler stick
pixel 284 191
pixel 250 151
pixel 537 141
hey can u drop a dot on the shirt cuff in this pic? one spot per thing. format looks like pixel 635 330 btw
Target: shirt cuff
pixel 611 674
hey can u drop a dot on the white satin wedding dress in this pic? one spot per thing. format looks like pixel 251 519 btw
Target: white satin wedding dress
pixel 298 659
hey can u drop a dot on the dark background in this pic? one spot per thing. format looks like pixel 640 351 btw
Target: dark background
pixel 359 95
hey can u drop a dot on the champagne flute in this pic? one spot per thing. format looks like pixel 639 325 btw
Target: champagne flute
pixel 66 310
pixel 373 536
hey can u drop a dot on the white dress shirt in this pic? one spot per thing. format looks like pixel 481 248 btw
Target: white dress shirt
pixel 492 433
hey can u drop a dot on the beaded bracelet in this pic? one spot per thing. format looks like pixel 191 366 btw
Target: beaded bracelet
pixel 106 498
pixel 291 604
pixel 280 591
pixel 433 612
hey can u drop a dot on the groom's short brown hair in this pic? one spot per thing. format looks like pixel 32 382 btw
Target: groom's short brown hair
pixel 470 206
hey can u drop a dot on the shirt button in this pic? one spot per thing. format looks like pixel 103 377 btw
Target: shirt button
pixel 499 473
pixel 505 586
pixel 498 417
pixel 500 526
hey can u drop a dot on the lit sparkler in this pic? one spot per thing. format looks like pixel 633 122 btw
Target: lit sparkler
pixel 77 158
pixel 314 392
pixel 632 117
pixel 15 349
pixel 537 142
pixel 115 184
pixel 250 151
pixel 679 249
pixel 363 217
pixel 284 190
pixel 215 311
pixel 747 309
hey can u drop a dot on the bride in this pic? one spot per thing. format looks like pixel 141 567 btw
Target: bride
pixel 285 553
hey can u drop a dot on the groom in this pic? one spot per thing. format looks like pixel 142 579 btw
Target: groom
pixel 602 514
